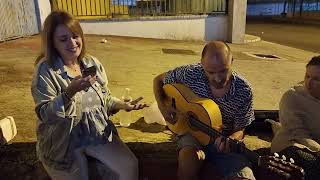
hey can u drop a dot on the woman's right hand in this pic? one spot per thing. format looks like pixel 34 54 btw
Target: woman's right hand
pixel 80 83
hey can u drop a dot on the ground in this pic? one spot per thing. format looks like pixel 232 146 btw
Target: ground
pixel 133 63
pixel 302 36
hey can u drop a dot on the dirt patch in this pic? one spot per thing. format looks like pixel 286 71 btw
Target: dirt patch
pixel 30 43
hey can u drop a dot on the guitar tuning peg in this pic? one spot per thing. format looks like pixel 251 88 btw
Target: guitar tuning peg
pixel 276 155
pixel 291 160
pixel 284 157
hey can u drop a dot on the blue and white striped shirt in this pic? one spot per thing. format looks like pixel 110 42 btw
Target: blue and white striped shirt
pixel 235 105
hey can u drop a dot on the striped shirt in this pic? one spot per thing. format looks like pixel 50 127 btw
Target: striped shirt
pixel 235 106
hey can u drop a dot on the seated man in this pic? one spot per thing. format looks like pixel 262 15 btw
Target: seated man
pixel 212 78
pixel 299 136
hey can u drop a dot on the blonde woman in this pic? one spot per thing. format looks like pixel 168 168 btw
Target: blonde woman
pixel 74 105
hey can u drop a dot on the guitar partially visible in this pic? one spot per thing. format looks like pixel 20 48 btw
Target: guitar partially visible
pixel 186 102
pixel 202 118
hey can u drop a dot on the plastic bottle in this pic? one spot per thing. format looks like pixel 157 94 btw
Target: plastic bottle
pixel 152 114
pixel 126 117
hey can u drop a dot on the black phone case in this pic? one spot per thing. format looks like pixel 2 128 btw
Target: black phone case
pixel 89 71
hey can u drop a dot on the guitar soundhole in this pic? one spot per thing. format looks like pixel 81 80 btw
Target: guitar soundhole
pixel 190 117
pixel 173 104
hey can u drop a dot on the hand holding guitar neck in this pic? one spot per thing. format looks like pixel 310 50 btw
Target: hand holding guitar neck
pixel 222 144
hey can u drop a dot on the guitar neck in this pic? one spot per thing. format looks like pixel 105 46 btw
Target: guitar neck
pixel 240 148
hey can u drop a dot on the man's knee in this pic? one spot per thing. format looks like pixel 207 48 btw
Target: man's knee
pixel 189 163
pixel 189 154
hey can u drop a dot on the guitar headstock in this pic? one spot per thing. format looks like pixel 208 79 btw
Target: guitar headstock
pixel 280 168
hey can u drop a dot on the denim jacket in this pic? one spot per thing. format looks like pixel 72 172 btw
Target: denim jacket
pixel 55 121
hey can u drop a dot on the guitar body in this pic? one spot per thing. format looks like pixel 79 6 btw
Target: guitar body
pixel 186 103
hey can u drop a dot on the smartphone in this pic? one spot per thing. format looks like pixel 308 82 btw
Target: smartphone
pixel 89 71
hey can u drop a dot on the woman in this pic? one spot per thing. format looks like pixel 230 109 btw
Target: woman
pixel 73 108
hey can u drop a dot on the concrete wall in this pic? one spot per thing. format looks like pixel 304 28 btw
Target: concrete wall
pixel 43 9
pixel 18 19
pixel 180 28
pixel 229 27
pixel 237 20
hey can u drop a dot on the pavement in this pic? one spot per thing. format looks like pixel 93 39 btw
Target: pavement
pixel 286 32
pixel 298 20
pixel 289 20
pixel 134 62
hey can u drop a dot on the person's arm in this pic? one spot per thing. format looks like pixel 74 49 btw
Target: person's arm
pixel 244 115
pixel 111 103
pixel 158 90
pixel 177 75
pixel 238 135
pixel 50 106
pixel 114 104
pixel 129 106
pixel 160 96
pixel 292 116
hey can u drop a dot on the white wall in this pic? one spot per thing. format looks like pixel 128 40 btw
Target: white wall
pixel 179 28
pixel 237 21
pixel 43 9
pixel 216 28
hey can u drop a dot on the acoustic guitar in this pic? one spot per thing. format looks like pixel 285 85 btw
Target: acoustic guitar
pixel 201 117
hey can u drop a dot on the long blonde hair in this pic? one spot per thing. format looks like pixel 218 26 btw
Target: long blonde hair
pixel 54 19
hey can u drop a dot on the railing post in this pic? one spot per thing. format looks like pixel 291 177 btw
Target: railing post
pixel 294 7
pixel 301 7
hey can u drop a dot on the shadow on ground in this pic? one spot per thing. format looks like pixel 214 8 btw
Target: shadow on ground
pixel 18 161
pixel 142 126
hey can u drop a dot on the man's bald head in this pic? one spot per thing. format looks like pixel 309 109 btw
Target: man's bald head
pixel 216 62
pixel 218 49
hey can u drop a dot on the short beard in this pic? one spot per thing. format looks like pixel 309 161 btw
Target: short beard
pixel 219 85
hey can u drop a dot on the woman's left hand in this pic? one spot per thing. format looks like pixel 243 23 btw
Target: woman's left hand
pixel 134 105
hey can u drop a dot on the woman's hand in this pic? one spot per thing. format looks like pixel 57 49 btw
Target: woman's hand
pixel 134 105
pixel 80 83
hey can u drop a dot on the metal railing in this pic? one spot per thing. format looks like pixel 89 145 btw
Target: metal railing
pixel 298 7
pixel 136 8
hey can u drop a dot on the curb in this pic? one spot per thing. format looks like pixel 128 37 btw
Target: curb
pixel 251 39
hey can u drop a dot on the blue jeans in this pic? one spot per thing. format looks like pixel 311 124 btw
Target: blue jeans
pixel 228 164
